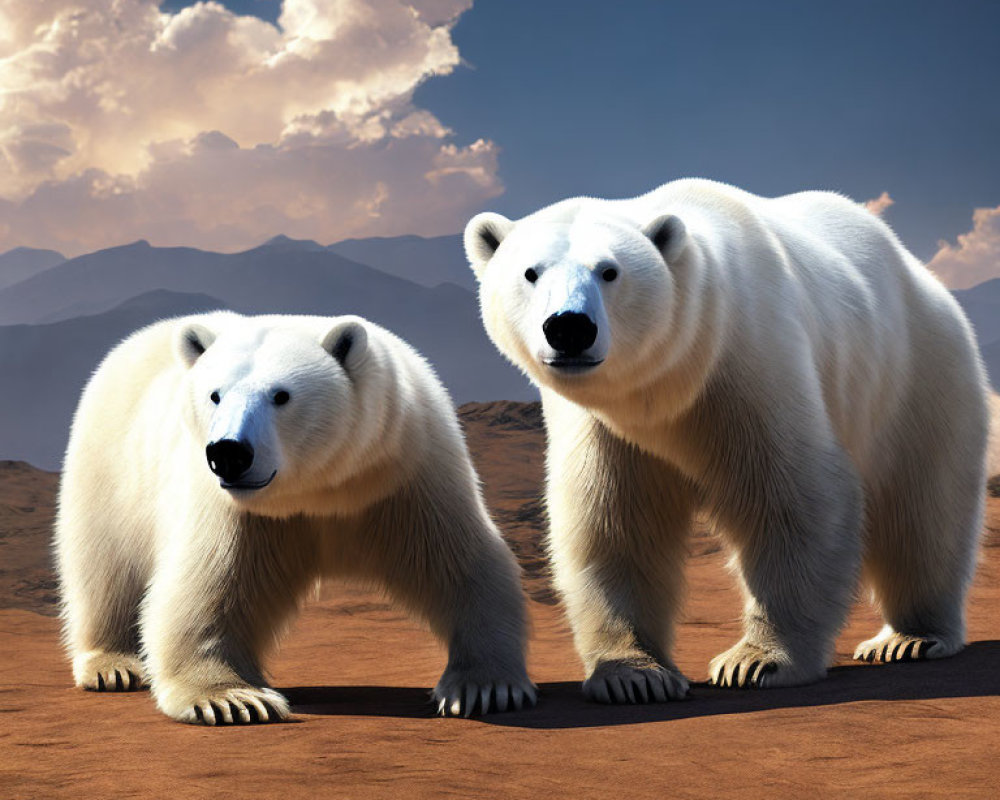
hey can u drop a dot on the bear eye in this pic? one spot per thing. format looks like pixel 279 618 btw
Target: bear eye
pixel 282 397
pixel 530 275
pixel 609 274
pixel 214 396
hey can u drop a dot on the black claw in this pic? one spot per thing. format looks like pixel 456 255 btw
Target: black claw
pixel 134 682
pixel 254 714
pixel 119 686
pixel 198 714
pixel 870 656
pixel 768 668
pixel 912 647
pixel 735 680
pixel 237 719
pixel 218 712
pixel 271 715
pixel 100 682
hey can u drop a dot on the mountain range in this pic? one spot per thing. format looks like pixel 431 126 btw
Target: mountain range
pixel 59 316
pixel 60 320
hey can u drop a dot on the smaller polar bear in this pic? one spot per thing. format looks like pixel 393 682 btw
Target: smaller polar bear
pixel 785 364
pixel 219 465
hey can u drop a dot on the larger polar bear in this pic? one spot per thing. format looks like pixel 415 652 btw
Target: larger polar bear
pixel 785 364
pixel 219 464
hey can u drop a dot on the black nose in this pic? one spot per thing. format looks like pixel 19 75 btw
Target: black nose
pixel 569 333
pixel 229 458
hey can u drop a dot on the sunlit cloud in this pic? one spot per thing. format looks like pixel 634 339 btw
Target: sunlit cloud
pixel 878 205
pixel 203 127
pixel 975 257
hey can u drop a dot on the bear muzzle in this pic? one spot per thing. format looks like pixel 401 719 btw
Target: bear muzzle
pixel 231 460
pixel 570 334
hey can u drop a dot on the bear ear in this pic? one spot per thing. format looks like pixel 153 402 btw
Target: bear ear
pixel 483 235
pixel 347 341
pixel 668 235
pixel 192 341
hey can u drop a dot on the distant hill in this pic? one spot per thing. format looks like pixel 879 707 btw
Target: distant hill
pixel 281 275
pixel 429 262
pixel 991 357
pixel 44 367
pixel 23 262
pixel 61 315
pixel 981 304
pixel 72 313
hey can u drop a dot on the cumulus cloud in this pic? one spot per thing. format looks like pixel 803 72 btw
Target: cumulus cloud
pixel 119 120
pixel 976 256
pixel 878 205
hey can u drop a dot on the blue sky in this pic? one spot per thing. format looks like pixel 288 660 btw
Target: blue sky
pixel 265 9
pixel 610 99
pixel 614 98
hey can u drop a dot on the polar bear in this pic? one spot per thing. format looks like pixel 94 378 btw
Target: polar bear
pixel 785 364
pixel 219 465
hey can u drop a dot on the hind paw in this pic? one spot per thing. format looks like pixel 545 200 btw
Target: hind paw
pixel 890 646
pixel 470 693
pixel 625 681
pixel 747 665
pixel 100 671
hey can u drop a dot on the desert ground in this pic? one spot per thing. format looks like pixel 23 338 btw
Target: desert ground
pixel 358 671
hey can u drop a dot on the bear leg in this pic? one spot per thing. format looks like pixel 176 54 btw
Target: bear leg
pixel 790 503
pixel 484 625
pixel 101 583
pixel 205 635
pixel 433 547
pixel 620 520
pixel 798 556
pixel 925 515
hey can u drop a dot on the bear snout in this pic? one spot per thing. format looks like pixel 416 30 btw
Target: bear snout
pixel 570 332
pixel 230 459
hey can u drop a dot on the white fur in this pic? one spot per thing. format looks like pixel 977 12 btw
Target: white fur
pixel 785 363
pixel 172 580
pixel 993 459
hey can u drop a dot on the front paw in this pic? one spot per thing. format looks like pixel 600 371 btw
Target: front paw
pixel 747 665
pixel 635 681
pixel 225 705
pixel 468 692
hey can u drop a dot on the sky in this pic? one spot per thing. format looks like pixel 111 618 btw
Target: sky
pixel 219 125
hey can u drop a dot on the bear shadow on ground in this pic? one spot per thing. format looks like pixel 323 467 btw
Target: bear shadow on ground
pixel 971 673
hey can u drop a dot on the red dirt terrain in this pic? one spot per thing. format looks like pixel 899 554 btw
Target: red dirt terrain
pixel 357 672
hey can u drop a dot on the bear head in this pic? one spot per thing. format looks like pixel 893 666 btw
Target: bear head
pixel 569 297
pixel 271 404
